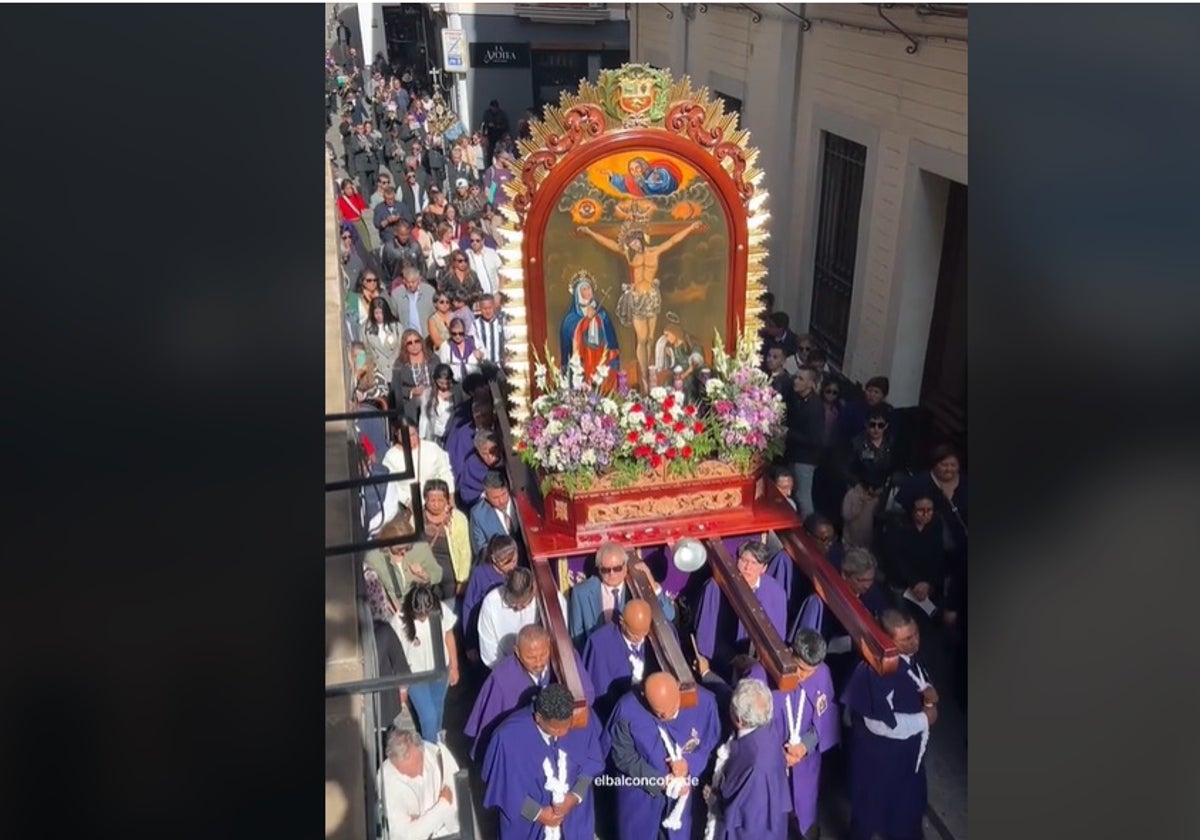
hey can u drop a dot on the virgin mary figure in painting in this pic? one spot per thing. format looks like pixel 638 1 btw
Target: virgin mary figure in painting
pixel 587 330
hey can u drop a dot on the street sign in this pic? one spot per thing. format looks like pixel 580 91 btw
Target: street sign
pixel 454 50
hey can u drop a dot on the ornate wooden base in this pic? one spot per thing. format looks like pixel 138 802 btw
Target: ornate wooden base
pixel 717 490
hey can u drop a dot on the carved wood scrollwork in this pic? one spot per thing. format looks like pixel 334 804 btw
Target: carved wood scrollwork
pixel 688 118
pixel 582 122
pixel 738 155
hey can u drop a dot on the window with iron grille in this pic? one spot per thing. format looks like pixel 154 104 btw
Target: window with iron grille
pixel 843 165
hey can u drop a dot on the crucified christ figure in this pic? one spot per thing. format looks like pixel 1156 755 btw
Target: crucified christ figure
pixel 640 299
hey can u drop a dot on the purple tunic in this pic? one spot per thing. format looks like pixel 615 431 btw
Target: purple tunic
pixel 460 443
pixel 509 686
pixel 484 578
pixel 470 479
pixel 606 658
pixel 753 793
pixel 636 750
pixel 780 569
pixel 819 719
pixel 515 780
pixel 887 788
pixel 715 611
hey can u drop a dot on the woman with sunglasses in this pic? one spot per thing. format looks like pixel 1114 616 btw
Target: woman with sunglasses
pixel 459 279
pixel 358 302
pixel 382 334
pixel 438 328
pixel 461 353
pixel 438 406
pixel 412 374
pixel 349 256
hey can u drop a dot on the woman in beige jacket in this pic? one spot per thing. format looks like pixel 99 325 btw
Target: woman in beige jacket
pixel 447 533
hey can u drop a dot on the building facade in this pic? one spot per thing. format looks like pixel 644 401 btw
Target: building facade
pixel 861 119
pixel 525 54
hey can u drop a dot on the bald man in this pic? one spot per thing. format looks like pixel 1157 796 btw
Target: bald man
pixel 659 748
pixel 618 657
pixel 514 682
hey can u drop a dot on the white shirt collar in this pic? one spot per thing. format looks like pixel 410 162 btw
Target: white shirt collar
pixel 545 736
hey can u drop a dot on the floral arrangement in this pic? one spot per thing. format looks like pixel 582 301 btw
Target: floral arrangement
pixel 581 428
pixel 747 414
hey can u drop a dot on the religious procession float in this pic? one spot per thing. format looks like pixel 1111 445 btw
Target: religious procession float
pixel 634 251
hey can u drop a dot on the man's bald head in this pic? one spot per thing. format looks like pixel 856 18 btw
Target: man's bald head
pixel 533 648
pixel 662 695
pixel 635 620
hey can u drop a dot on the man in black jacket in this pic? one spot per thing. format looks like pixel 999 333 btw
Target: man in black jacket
pixel 805 436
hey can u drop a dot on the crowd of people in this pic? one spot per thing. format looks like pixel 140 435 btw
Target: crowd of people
pixel 425 320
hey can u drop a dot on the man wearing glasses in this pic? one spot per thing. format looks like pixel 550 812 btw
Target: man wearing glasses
pixel 484 261
pixel 595 601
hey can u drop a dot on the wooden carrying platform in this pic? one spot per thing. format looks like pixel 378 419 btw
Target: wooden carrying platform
pixel 642 159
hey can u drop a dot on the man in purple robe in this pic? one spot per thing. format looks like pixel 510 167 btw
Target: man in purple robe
pixel 485 457
pixel 806 724
pixel 662 747
pixel 617 657
pixel 499 558
pixel 460 436
pixel 858 570
pixel 890 718
pixel 513 683
pixel 748 798
pixel 538 771
pixel 716 639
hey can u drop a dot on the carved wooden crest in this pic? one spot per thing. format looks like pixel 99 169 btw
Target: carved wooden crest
pixel 636 231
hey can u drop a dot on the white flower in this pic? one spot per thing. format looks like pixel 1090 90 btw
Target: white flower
pixel 713 386
pixel 658 394
pixel 609 407
pixel 554 427
pixel 539 375
pixel 588 457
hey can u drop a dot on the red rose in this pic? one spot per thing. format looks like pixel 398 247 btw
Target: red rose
pixel 649 425
pixel 686 452
pixel 667 419
pixel 668 403
pixel 689 410
pixel 641 452
pixel 656 461
pixel 698 428
pixel 671 453
pixel 637 408
pixel 520 446
pixel 679 427
pixel 633 437
pixel 660 438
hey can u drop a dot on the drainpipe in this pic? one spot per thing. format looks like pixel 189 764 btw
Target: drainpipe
pixel 463 106
pixel 368 43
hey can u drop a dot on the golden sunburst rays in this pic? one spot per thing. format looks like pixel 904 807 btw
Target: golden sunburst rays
pixel 581 117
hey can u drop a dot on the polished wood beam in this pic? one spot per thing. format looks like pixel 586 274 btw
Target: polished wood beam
pixel 562 651
pixel 775 656
pixel 663 639
pixel 876 647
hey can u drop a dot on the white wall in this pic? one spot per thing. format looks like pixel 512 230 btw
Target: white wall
pixel 865 80
pixel 909 110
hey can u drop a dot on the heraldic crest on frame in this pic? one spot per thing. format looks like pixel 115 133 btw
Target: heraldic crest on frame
pixel 634 233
